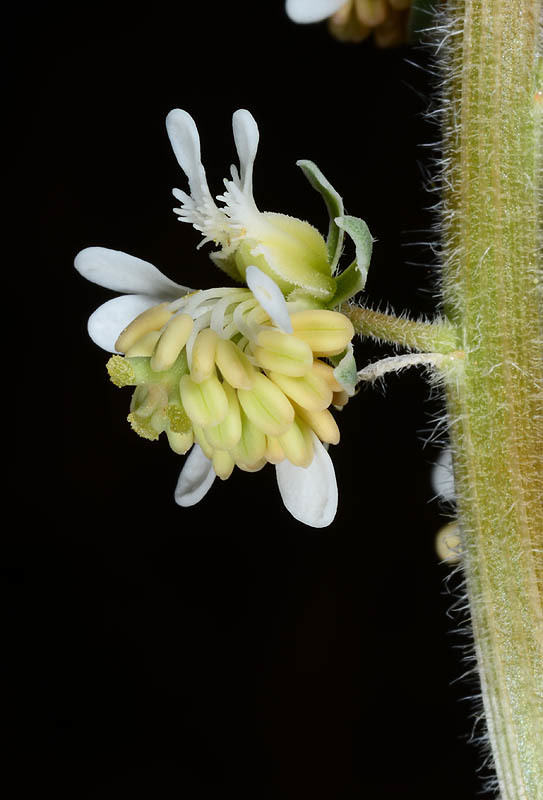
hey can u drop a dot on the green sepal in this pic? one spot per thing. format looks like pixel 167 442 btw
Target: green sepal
pixel 353 279
pixel 334 204
pixel 346 372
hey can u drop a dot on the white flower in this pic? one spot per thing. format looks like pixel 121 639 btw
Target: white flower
pixel 442 477
pixel 168 331
pixel 289 250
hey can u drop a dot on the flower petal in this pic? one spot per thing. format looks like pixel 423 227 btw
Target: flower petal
pixel 185 141
pixel 310 493
pixel 109 319
pixel 124 273
pixel 269 296
pixel 195 480
pixel 311 10
pixel 246 137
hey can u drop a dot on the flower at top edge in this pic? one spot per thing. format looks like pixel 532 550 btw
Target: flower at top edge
pixel 356 20
pixel 237 375
pixel 292 252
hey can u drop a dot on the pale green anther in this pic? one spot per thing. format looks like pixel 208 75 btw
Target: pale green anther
pixel 223 464
pixel 206 403
pixel 203 355
pixel 292 252
pixel 327 332
pixel 312 392
pixel 180 442
pixel 201 438
pixel 251 448
pixel 234 365
pixel 171 342
pixel 282 352
pixel 120 371
pixel 266 406
pixel 228 433
pixel 297 444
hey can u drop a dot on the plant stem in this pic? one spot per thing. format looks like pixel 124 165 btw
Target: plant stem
pixel 491 289
pixel 439 336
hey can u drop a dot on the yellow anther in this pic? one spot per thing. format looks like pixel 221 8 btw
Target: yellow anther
pixel 297 444
pixel 205 403
pixel 234 365
pixel 179 421
pixel 152 319
pixel 180 442
pixel 255 467
pixel 274 452
pixel 311 392
pixel 266 406
pixel 251 448
pixel 144 346
pixel 322 423
pixel 201 439
pixel 228 433
pixel 203 355
pixel 282 352
pixel 142 427
pixel 171 342
pixel 223 464
pixel 327 332
pixel 326 371
pixel 120 371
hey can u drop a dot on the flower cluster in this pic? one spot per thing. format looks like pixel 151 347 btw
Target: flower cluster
pixel 244 375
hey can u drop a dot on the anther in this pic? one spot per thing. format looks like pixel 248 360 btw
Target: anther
pixel 120 371
pixel 171 342
pixel 206 403
pixel 327 332
pixel 223 464
pixel 282 352
pixel 228 433
pixel 203 355
pixel 322 423
pixel 297 444
pixel 234 365
pixel 311 392
pixel 152 319
pixel 144 347
pixel 266 406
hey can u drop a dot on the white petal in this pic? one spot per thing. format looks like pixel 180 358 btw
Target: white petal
pixel 196 478
pixel 109 319
pixel 310 493
pixel 312 10
pixel 121 272
pixel 270 297
pixel 443 477
pixel 185 142
pixel 246 139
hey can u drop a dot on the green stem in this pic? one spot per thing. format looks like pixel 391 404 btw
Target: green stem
pixel 435 337
pixel 491 289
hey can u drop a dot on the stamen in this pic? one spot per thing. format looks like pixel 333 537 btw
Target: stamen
pixel 234 365
pixel 228 433
pixel 266 406
pixel 311 392
pixel 152 319
pixel 327 332
pixel 171 342
pixel 223 464
pixel 144 347
pixel 282 352
pixel 180 442
pixel 203 355
pixel 249 453
pixel 206 403
pixel 297 444
pixel 322 423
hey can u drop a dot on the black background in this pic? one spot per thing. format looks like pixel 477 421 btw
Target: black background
pixel 226 648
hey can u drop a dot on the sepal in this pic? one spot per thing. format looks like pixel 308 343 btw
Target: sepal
pixel 334 204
